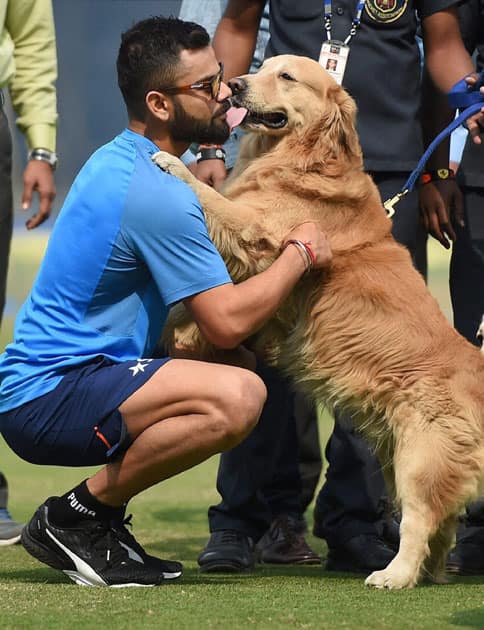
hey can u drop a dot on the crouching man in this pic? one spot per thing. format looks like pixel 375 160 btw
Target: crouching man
pixel 78 384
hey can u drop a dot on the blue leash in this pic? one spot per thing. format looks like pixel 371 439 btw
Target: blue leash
pixel 463 97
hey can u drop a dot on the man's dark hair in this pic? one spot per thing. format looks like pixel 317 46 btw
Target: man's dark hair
pixel 149 56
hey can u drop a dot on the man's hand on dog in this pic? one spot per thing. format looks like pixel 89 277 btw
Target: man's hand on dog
pixel 311 234
pixel 210 172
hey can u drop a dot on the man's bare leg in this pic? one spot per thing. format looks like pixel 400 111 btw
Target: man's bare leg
pixel 186 412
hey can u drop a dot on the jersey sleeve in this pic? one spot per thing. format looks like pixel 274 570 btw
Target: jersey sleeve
pixel 167 230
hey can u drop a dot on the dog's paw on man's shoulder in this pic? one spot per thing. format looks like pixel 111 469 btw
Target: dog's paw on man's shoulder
pixel 171 164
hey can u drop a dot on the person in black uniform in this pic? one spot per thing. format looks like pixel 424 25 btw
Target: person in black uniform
pixel 277 512
pixel 457 215
pixel 382 73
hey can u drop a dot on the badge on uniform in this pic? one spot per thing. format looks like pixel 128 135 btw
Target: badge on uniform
pixel 333 58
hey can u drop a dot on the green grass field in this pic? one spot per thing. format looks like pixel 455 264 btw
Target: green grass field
pixel 171 521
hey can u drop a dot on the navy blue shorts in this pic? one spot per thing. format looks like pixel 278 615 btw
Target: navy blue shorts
pixel 78 422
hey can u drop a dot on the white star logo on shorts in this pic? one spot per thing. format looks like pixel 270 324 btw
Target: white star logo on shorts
pixel 140 366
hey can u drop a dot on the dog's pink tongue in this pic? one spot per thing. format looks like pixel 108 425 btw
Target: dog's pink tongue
pixel 234 116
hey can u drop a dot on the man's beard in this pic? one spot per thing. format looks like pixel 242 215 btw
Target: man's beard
pixel 186 128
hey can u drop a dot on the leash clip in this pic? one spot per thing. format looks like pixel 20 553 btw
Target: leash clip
pixel 390 204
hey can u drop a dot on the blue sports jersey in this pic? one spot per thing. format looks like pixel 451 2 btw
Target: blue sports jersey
pixel 129 242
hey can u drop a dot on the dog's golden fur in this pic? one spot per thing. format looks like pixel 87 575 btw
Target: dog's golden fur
pixel 366 334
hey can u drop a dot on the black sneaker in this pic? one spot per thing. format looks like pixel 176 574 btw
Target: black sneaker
pixel 227 551
pixel 170 569
pixel 90 553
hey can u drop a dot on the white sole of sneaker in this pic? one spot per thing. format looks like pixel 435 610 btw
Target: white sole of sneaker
pixel 172 576
pixel 82 580
pixel 9 541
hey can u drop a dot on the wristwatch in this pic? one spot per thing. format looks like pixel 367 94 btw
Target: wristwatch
pixel 44 155
pixel 210 153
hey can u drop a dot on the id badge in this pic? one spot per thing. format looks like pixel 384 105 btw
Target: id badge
pixel 333 58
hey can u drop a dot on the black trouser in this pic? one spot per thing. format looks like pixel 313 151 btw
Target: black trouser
pixel 352 497
pixel 306 470
pixel 467 287
pixel 467 266
pixel 260 477
pixel 6 204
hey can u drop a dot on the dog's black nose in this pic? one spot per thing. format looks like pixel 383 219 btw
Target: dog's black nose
pixel 237 84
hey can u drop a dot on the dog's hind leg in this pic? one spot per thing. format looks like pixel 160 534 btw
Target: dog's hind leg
pixel 419 469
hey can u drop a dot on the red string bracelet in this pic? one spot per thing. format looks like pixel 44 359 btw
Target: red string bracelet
pixel 307 254
pixel 310 251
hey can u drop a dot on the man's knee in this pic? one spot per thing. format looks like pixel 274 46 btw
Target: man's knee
pixel 242 399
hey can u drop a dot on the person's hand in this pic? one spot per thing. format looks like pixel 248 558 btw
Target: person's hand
pixel 441 204
pixel 310 234
pixel 211 172
pixel 475 123
pixel 192 167
pixel 39 177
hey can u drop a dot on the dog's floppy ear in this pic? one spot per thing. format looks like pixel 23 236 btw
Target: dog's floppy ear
pixel 339 124
pixel 331 140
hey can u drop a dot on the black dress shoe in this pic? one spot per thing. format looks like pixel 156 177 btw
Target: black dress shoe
pixel 361 554
pixel 284 543
pixel 467 557
pixel 390 528
pixel 227 551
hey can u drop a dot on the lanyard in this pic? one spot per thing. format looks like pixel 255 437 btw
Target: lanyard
pixel 354 24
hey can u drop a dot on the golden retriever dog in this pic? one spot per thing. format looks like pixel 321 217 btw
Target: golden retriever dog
pixel 365 334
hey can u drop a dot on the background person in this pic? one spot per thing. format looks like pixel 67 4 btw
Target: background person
pixel 453 213
pixel 213 171
pixel 275 519
pixel 383 76
pixel 28 70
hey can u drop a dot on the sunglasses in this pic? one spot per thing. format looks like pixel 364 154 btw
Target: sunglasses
pixel 213 84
